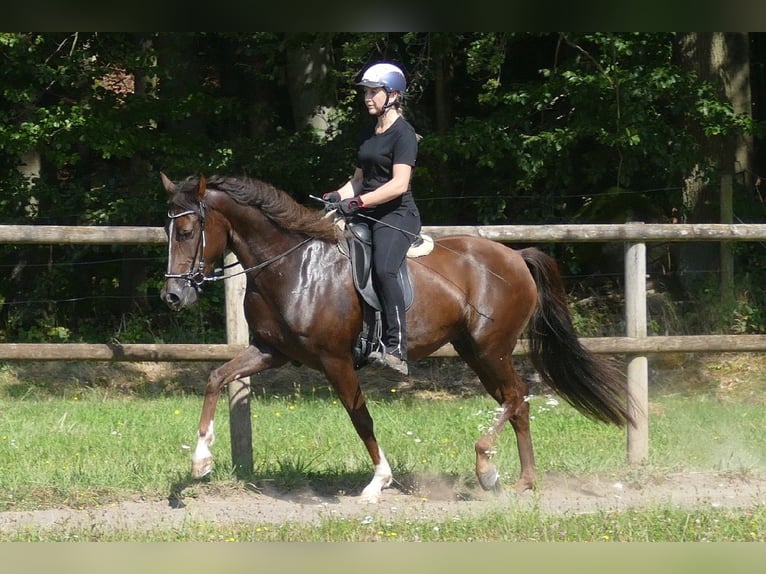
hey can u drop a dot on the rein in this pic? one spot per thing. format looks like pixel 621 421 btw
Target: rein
pixel 198 278
pixel 219 272
pixel 330 207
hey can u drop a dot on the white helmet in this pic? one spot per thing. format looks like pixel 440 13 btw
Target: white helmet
pixel 386 76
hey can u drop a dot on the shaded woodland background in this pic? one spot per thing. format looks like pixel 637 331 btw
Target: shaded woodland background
pixel 520 128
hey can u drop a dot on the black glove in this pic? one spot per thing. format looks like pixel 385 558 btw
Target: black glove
pixel 331 197
pixel 350 206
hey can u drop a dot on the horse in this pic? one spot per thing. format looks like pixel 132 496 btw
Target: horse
pixel 302 307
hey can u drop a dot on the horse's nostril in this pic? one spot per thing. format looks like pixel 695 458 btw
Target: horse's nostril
pixel 171 300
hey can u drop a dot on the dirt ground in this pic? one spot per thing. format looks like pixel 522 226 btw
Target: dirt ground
pixel 434 497
pixel 557 495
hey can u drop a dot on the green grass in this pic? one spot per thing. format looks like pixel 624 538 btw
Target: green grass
pixel 99 443
pixel 81 446
pixel 88 446
pixel 650 525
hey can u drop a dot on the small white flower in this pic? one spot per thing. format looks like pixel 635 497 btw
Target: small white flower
pixel 552 401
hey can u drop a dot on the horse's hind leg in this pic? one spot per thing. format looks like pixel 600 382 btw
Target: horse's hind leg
pixel 499 377
pixel 250 361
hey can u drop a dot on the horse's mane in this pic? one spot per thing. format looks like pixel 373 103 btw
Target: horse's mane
pixel 274 203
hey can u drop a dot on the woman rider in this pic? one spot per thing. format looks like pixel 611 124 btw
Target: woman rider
pixel 380 189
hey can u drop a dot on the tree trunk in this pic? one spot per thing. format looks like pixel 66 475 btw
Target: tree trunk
pixel 133 271
pixel 721 59
pixel 307 82
pixel 737 84
pixel 179 74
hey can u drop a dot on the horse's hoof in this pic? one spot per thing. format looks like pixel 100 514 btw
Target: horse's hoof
pixel 372 492
pixel 489 479
pixel 201 468
pixel 523 485
pixel 369 498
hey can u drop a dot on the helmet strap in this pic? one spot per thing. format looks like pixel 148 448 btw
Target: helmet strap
pixel 388 104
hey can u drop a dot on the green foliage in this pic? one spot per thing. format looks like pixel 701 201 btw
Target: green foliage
pixel 517 128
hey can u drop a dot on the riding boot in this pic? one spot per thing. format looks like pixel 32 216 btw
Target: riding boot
pixel 393 355
pixel 391 364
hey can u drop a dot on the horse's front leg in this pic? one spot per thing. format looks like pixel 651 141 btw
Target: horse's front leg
pixel 251 360
pixel 382 478
pixel 344 380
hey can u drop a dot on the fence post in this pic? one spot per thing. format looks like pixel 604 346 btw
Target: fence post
pixel 237 333
pixel 727 258
pixel 638 371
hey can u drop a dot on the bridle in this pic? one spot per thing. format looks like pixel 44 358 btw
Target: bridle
pixel 193 278
pixel 197 278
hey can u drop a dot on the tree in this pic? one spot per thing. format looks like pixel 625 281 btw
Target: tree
pixel 723 130
pixel 724 139
pixel 516 127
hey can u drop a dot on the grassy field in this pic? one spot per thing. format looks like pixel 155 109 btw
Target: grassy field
pixel 81 443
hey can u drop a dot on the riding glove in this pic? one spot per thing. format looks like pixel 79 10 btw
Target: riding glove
pixel 331 197
pixel 350 206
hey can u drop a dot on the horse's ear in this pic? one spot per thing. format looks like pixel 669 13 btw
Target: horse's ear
pixel 169 186
pixel 202 187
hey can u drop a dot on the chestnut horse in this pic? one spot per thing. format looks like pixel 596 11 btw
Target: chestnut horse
pixel 301 306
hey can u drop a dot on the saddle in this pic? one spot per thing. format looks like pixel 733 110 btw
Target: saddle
pixel 356 244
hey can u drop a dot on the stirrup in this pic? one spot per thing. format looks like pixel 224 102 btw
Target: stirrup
pixel 390 363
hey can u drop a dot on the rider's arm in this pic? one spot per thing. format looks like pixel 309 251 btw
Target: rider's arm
pixel 393 188
pixel 352 186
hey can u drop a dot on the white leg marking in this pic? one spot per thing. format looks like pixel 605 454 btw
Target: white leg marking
pixel 380 480
pixel 202 450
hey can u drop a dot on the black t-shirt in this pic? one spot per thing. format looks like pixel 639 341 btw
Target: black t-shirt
pixel 379 152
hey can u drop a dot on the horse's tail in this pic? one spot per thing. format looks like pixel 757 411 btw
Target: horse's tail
pixel 593 385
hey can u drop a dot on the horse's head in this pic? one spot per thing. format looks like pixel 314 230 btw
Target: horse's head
pixel 191 253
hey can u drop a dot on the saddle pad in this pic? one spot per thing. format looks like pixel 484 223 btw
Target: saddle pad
pixel 423 245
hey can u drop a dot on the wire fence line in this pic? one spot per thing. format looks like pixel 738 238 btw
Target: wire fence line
pixel 635 345
pixel 124 235
pixel 574 233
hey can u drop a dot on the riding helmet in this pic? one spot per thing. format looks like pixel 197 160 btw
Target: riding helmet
pixel 384 75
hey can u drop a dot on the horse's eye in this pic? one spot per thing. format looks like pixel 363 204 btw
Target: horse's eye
pixel 185 234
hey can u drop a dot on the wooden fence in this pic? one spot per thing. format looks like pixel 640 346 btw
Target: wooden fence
pixel 636 345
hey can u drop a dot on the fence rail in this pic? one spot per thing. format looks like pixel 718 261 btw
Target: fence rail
pixel 636 344
pixel 595 233
pixel 208 352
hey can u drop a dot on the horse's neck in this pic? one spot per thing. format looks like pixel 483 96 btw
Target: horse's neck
pixel 258 241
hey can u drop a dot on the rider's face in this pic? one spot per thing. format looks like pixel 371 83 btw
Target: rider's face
pixel 375 99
